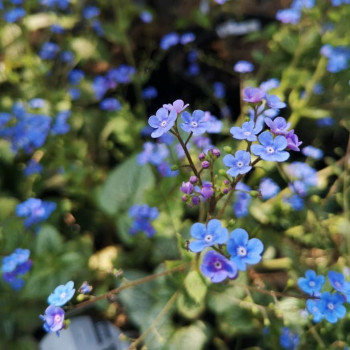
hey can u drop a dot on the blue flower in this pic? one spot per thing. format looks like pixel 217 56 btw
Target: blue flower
pixel 110 104
pixel 311 283
pixel 36 103
pixel 214 125
pixel 152 153
pixel 74 93
pixel 85 288
pixel 288 16
pixel 274 102
pixel 178 106
pixel 14 14
pixel 62 294
pixel 121 74
pixel 149 92
pixel 289 339
pixel 187 38
pixel 295 201
pixel 326 121
pixel 33 167
pixel 238 164
pixel 100 86
pixel 300 4
pixel 142 215
pixel 62 4
pixel 242 200
pixel 75 76
pixel 278 126
pixel 268 188
pixel 207 236
pixel 164 169
pixel 243 67
pixel 146 16
pixel 195 123
pixel 337 281
pixel 271 149
pixel 293 142
pixel 163 121
pixel 48 51
pixel 267 85
pixel 57 29
pixel 60 125
pixel 219 90
pixel 217 267
pixel 53 319
pixel 313 152
pixel 253 95
pixel 169 40
pixel 338 57
pixel 91 11
pixel 67 56
pixel 248 131
pixel 243 250
pixel 316 307
pixel 16 264
pixel 334 308
pixel 35 211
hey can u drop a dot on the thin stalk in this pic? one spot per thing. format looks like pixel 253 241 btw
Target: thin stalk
pixel 128 285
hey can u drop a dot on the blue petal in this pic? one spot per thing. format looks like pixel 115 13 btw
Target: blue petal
pixel 197 246
pixel 186 117
pixel 266 138
pixel 240 236
pixel 228 160
pixel 281 156
pixel 255 246
pixel 280 142
pixel 153 121
pixel 198 230
pixel 257 149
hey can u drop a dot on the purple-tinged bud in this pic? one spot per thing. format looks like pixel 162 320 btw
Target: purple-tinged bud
pixel 186 187
pixel 205 164
pixel 215 152
pixel 184 198
pixel 193 179
pixel 201 156
pixel 195 200
pixel 225 190
pixel 226 182
pixel 207 190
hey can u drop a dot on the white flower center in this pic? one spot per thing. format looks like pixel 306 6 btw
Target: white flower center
pixel 337 284
pixel 208 238
pixel 312 283
pixel 240 164
pixel 163 123
pixel 194 124
pixel 330 306
pixel 247 133
pixel 217 265
pixel 241 251
pixel 270 149
pixel 57 318
pixel 63 295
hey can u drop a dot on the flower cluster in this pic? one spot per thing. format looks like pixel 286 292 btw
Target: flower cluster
pixel 54 317
pixel 288 339
pixel 242 250
pixel 325 305
pixel 34 211
pixel 302 176
pixel 172 39
pixel 15 264
pixel 143 215
pixel 292 15
pixel 338 57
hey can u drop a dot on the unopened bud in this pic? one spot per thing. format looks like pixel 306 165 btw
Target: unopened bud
pixel 174 167
pixel 184 198
pixel 193 179
pixel 254 194
pixel 195 200
pixel 226 182
pixel 201 156
pixel 228 149
pixel 216 152
pixel 225 190
pixel 205 164
pixel 222 172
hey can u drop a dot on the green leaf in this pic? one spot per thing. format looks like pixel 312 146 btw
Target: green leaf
pixel 195 286
pixel 189 308
pixel 48 240
pixel 126 185
pixel 193 337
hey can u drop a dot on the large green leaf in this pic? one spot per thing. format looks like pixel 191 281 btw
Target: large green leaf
pixel 126 185
pixel 48 240
pixel 195 286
